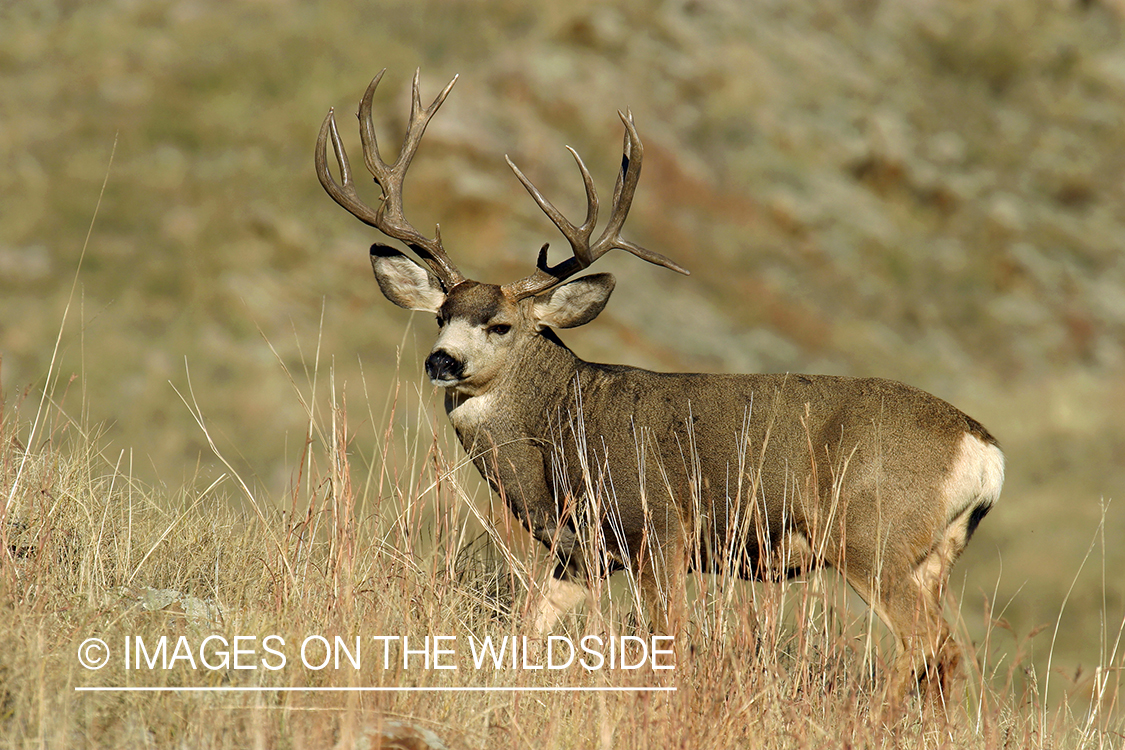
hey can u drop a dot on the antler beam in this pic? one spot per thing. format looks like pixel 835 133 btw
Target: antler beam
pixel 585 252
pixel 388 218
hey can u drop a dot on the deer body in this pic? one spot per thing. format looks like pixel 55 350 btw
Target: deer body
pixel 762 476
pixel 697 445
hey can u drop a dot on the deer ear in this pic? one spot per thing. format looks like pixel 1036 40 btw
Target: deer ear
pixel 404 282
pixel 574 304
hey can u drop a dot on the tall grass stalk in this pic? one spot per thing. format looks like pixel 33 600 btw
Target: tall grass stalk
pixel 410 547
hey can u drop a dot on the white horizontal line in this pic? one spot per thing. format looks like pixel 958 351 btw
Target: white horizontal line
pixel 257 689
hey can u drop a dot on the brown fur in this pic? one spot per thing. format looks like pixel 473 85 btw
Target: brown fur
pixel 679 465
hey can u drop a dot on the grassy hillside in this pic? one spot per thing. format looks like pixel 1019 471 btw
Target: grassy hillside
pixel 925 191
pixel 247 598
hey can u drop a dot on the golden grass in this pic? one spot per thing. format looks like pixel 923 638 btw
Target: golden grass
pixel 399 549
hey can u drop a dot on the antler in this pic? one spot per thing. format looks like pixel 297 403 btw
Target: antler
pixel 586 253
pixel 389 218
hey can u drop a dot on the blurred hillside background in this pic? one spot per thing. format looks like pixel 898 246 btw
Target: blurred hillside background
pixel 928 191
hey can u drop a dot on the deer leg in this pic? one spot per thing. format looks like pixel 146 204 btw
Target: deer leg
pixel 663 585
pixel 909 602
pixel 943 655
pixel 558 598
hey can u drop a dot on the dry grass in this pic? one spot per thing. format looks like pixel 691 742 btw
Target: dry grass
pixel 959 231
pixel 398 548
pixel 929 192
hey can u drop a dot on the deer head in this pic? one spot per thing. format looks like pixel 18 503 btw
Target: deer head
pixel 481 324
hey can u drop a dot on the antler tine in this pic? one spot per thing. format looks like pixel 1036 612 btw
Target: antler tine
pixel 585 253
pixel 419 119
pixel 579 237
pixel 632 152
pixel 367 139
pixel 623 192
pixel 344 194
pixel 389 218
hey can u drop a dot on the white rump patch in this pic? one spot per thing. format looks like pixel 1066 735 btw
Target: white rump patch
pixel 970 489
pixel 975 478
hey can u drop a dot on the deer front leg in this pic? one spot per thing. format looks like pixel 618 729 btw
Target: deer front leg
pixel 560 594
pixel 516 473
pixel 558 597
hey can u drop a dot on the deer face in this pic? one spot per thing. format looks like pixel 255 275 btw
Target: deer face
pixel 480 327
pixel 483 329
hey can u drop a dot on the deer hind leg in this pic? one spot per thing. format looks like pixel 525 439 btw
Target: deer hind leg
pixel 931 576
pixel 907 595
pixel 910 602
pixel 928 656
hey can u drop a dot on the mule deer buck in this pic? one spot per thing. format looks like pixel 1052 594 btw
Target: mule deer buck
pixel 765 476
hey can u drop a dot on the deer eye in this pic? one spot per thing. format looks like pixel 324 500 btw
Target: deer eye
pixel 499 329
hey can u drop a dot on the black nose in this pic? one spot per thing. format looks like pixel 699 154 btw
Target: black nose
pixel 441 365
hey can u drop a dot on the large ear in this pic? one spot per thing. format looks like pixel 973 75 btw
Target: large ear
pixel 575 303
pixel 404 282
